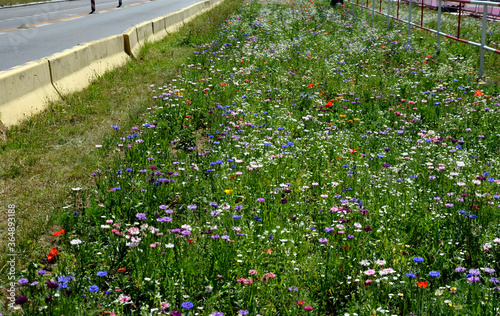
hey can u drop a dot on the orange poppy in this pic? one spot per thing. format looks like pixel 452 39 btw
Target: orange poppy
pixel 52 254
pixel 61 232
pixel 478 93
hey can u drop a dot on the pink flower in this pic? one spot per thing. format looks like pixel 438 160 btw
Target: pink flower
pixel 271 275
pixel 240 280
pixel 124 299
pixel 253 272
pixel 368 281
pixel 308 308
pixel 247 281
pixel 152 245
pixel 369 272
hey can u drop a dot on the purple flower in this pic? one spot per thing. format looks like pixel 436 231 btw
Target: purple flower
pixel 41 272
pixel 52 285
pixel 164 219
pixel 217 314
pixel 186 232
pixel 350 236
pixel 21 299
pixel 215 236
pixel 242 312
pixel 474 272
pixel 22 281
pixel 323 240
pixel 260 200
pixel 494 280
pixel 141 216
pixel 489 270
pixel 367 229
pixel 460 269
pixel 473 279
pixel 175 313
pixel 192 207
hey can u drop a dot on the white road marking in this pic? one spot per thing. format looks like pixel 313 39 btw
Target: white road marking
pixel 72 19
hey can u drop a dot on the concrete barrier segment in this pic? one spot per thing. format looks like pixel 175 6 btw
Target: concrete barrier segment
pixel 131 42
pixel 26 90
pixel 144 32
pixel 74 69
pixel 159 29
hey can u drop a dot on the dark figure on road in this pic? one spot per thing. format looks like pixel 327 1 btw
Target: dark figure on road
pixel 334 2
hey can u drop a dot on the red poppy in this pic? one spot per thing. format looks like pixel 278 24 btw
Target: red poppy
pixel 329 104
pixel 423 284
pixel 188 102
pixel 301 302
pixel 478 93
pixel 269 250
pixel 121 270
pixel 310 85
pixel 52 254
pixel 190 240
pixel 61 232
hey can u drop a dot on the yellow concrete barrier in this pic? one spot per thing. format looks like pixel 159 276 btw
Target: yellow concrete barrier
pixel 26 90
pixel 159 30
pixel 131 43
pixel 75 68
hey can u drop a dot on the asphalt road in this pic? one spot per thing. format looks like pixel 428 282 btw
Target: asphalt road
pixel 28 33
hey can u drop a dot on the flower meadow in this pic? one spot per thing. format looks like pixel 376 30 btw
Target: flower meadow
pixel 303 163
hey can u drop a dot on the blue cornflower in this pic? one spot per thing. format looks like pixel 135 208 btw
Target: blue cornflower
pixel 93 288
pixel 187 305
pixel 418 259
pixel 410 275
pixel 102 273
pixel 257 218
pixel 434 274
pixel 236 216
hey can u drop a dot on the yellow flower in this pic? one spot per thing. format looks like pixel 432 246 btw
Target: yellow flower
pixel 356 119
pixel 342 115
pixel 228 191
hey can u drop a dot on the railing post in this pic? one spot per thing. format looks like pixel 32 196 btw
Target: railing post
pixel 373 11
pixel 92 6
pixel 438 40
pixel 459 18
pixel 483 41
pixel 388 13
pixel 398 11
pixel 409 21
pixel 422 13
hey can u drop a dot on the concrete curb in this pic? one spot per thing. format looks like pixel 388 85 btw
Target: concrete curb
pixel 29 88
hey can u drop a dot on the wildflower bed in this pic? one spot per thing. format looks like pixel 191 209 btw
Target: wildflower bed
pixel 303 163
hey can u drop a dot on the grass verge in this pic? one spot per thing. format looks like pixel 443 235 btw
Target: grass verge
pixel 46 162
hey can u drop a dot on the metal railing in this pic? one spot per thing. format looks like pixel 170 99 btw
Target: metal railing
pixel 492 13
